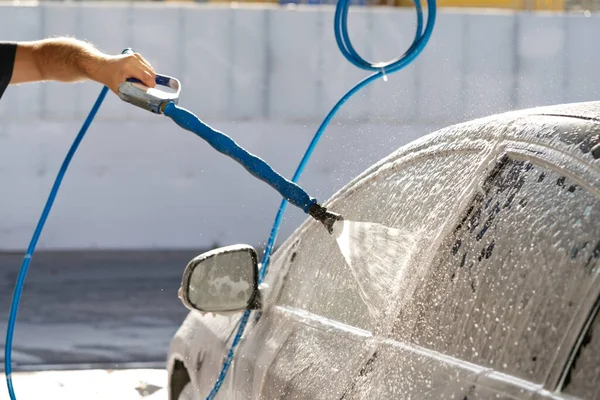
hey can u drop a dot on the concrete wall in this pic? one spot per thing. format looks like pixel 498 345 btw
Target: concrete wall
pixel 266 77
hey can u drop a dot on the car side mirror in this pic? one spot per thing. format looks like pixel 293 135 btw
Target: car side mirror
pixel 223 280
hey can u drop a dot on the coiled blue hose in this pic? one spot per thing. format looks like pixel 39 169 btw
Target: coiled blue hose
pixel 345 45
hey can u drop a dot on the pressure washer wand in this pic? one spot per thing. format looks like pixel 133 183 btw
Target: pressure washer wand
pixel 165 102
pixel 253 164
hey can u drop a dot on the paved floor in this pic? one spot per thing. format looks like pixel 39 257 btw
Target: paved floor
pixel 100 308
pixel 146 384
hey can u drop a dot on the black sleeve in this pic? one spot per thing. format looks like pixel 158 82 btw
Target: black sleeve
pixel 8 50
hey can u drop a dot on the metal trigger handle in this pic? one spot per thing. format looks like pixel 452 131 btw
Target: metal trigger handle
pixel 152 99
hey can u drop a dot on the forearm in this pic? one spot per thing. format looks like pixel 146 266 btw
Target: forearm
pixel 67 60
pixel 60 59
pixel 70 60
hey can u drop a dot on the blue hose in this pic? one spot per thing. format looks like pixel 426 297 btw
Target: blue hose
pixel 343 41
pixel 253 164
pixel 36 235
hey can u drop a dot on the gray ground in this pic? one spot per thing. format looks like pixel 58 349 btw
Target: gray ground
pixel 103 308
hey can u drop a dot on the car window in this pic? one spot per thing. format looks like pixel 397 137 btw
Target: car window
pixel 416 195
pixel 505 283
pixel 583 378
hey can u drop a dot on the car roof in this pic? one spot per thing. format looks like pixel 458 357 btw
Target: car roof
pixel 587 110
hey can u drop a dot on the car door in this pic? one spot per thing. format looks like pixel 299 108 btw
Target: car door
pixel 499 310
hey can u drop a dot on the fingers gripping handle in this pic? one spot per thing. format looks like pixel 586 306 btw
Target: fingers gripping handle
pixel 152 99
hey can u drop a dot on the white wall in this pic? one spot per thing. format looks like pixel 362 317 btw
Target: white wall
pixel 266 77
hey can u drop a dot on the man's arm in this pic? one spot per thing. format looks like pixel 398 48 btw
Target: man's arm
pixel 70 60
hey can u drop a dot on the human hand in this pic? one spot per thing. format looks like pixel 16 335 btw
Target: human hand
pixel 114 70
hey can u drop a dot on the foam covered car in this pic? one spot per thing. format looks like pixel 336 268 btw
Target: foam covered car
pixel 500 289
